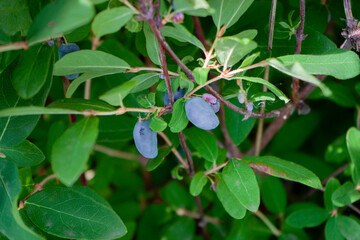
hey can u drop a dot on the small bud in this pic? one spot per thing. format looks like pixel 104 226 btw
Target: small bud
pixel 241 97
pixel 178 17
pixel 162 76
pixel 250 107
pixel 209 98
pixel 51 43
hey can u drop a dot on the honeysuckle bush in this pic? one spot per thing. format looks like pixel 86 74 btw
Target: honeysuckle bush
pixel 249 127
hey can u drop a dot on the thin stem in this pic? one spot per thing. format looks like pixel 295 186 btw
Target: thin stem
pixel 40 185
pixel 299 38
pixel 123 110
pixel 95 43
pixel 268 223
pixel 184 212
pixel 129 5
pixel 199 31
pixel 187 154
pixel 13 46
pixel 348 11
pixel 174 150
pixel 358 117
pixel 216 168
pixel 272 24
pixel 166 74
pixel 115 153
pixel 167 48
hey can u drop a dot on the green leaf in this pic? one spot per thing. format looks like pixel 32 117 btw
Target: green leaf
pixel 228 12
pixel 192 7
pixel 146 101
pixel 158 125
pixel 58 18
pixel 230 50
pixel 180 33
pixel 80 104
pixel 250 33
pixel 78 141
pixel 89 61
pixel 152 45
pixel 14 17
pixel 11 224
pixel 144 81
pixel 114 129
pixel 283 169
pixel 337 150
pixel 262 96
pixel 32 70
pixel 110 20
pixel 204 143
pixel 269 85
pixel 116 95
pixel 82 78
pixel 331 231
pixel 348 227
pixel 273 195
pixel 201 75
pixel 331 186
pixel 153 163
pixel 237 128
pixel 23 154
pixel 345 195
pixel 241 181
pixel 341 64
pixel 307 217
pixel 197 184
pixel 230 202
pixel 183 228
pixel 15 129
pixel 352 141
pixel 297 70
pixel 76 213
pixel 178 120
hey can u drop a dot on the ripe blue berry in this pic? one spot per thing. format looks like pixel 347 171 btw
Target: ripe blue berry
pixel 201 114
pixel 177 95
pixel 65 49
pixel 212 101
pixel 250 107
pixel 145 139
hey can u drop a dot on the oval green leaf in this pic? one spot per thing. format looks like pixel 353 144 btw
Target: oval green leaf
pixel 198 183
pixel 75 213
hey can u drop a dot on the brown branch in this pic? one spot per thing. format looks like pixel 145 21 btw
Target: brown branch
pixel 299 38
pixel 199 31
pixel 39 186
pixel 166 74
pixel 272 24
pixel 174 150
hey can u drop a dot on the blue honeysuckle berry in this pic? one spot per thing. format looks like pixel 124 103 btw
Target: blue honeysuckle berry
pixel 51 43
pixel 179 93
pixel 212 101
pixel 65 49
pixel 199 113
pixel 145 139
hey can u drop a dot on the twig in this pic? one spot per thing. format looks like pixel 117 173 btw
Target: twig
pixel 122 110
pixel 272 24
pixel 115 153
pixel 174 150
pixel 138 69
pixel 40 186
pixel 166 74
pixel 13 46
pixel 268 223
pixel 299 38
pixel 184 212
pixel 199 31
pixel 209 54
pixel 216 168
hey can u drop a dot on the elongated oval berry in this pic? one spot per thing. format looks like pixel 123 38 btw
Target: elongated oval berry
pixel 145 139
pixel 177 95
pixel 65 49
pixel 201 114
pixel 212 101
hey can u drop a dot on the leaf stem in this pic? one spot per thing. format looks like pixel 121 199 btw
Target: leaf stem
pixel 268 223
pixel 13 46
pixel 174 150
pixel 39 186
pixel 216 168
